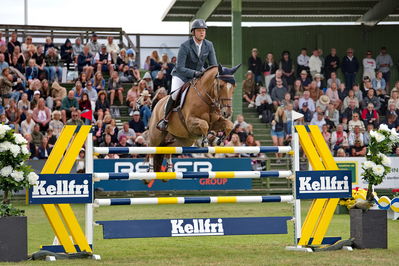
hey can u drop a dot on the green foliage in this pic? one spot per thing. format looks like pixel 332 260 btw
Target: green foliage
pixel 9 210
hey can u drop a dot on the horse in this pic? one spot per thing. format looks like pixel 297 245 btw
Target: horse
pixel 207 106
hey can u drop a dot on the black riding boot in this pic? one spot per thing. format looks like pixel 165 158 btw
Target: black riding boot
pixel 163 124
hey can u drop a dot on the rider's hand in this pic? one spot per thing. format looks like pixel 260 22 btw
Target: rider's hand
pixel 197 74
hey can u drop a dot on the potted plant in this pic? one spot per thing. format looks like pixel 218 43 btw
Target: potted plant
pixel 369 227
pixel 15 175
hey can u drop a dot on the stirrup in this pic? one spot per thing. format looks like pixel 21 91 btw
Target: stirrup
pixel 162 125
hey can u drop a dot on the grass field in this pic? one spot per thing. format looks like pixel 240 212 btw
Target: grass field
pixel 224 250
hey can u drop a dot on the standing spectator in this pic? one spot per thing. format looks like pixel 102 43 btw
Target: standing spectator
pixel 52 65
pixel 248 87
pixel 69 105
pixel 136 124
pixel 269 68
pixel 315 63
pixel 350 67
pixel 55 124
pixel 287 67
pixel 94 46
pixel 384 63
pixel 255 65
pixel 42 115
pixel 67 53
pixel 167 68
pixel 84 61
pixel 278 129
pixel 13 43
pixel 331 63
pixel 303 61
pixel 77 49
pixel 115 87
pixel 369 66
pixel 112 48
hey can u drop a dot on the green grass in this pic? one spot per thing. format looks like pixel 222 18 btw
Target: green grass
pixel 225 250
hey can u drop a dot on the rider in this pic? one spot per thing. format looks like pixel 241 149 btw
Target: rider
pixel 191 59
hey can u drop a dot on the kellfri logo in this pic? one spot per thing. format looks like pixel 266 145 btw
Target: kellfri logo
pixel 63 188
pixel 326 184
pixel 196 227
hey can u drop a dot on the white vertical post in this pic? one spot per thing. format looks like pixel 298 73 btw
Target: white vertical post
pixel 89 207
pixel 297 204
pixel 26 12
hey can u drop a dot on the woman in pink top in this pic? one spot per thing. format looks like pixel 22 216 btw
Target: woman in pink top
pixel 42 115
pixel 332 93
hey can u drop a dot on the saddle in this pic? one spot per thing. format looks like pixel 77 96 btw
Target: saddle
pixel 181 96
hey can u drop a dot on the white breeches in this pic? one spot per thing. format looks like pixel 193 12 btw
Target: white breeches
pixel 176 85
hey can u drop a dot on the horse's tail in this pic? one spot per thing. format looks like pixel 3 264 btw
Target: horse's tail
pixel 158 160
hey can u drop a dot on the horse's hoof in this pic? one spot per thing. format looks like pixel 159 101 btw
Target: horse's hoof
pixel 165 180
pixel 146 182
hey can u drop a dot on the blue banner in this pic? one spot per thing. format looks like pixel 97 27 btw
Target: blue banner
pixel 323 184
pixel 180 165
pixel 62 188
pixel 194 227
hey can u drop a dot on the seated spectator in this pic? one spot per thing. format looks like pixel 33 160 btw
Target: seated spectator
pixel 123 143
pixel 273 81
pixel 136 124
pixel 78 90
pixel 98 133
pixel 343 92
pixel 28 124
pixel 115 87
pixel 134 66
pixel 319 79
pixel 297 92
pixel 69 105
pixel 323 102
pixel 6 83
pixel 355 135
pixel 263 102
pixel 112 48
pixel 31 147
pixel 144 106
pixel 341 153
pixel 306 99
pixel 44 149
pixel 370 115
pixel 349 111
pixel 77 49
pixel 160 81
pixel 67 53
pixel 84 61
pixel 107 141
pixel 49 44
pixel 13 115
pixel 121 60
pixel 339 139
pixel 52 66
pixel 91 93
pixel 131 98
pixel 326 134
pixel 358 150
pixel 159 94
pixel 351 97
pixel 110 130
pixel 35 99
pixel 278 93
pixel 315 92
pixel 31 71
pixel 394 98
pixel 85 106
pixel 3 63
pixel 167 68
pixel 128 132
pixel 83 79
pixel 367 85
pixel 94 45
pixel 332 93
pixel 287 100
pixel 392 110
pixel 39 58
pixel 98 82
pixel 304 79
pixel 42 115
pixel 155 64
pixel 55 124
pixel 103 61
pixel 126 76
pixel 234 142
pixel 307 114
pixel 46 94
pixel 371 98
pixel 18 59
pixel 75 119
pixel 318 120
pixel 356 122
pixel 383 98
pixel 392 122
pixel 241 122
pixel 278 130
pixel 102 106
pixel 379 82
pixel 148 81
pixel 23 106
pixel 37 136
pixel 332 116
pixel 333 79
pixel 366 134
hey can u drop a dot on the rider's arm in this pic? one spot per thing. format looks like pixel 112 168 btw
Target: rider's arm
pixel 181 63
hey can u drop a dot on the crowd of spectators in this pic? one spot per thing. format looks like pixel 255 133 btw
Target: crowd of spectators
pixel 344 110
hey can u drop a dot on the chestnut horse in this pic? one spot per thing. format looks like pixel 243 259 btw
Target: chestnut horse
pixel 207 106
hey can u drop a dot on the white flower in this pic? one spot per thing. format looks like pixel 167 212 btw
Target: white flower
pixel 378 170
pixel 385 160
pixel 15 150
pixel 32 178
pixel 368 164
pixel 24 149
pixel 17 175
pixel 384 127
pixel 379 137
pixel 5 146
pixel 19 139
pixel 6 171
pixel 3 130
pixel 373 133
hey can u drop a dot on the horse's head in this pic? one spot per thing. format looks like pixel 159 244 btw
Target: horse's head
pixel 225 84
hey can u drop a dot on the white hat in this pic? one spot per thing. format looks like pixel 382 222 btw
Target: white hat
pixel 136 113
pixel 36 92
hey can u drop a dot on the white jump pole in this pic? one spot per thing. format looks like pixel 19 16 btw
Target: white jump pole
pixel 89 207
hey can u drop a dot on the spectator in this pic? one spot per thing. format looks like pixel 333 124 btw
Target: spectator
pixel 339 139
pixel 131 98
pixel 349 111
pixel 356 122
pixel 37 136
pixel 305 80
pixel 110 130
pixel 2 42
pixel 350 67
pixel 39 58
pixel 287 67
pixel 44 149
pixel 93 45
pixel 273 81
pixel 126 75
pixel 42 115
pixel 128 132
pixel 278 130
pixel 28 124
pixel 263 102
pixel 315 92
pixel 278 93
pixel 248 87
pixel 358 93
pixel 332 116
pixel 103 61
pixel 77 49
pixel 148 81
pixel 358 150
pixel 319 79
pixel 49 44
pixel 3 63
pixel 160 94
pixel 366 134
pixel 318 120
pixel 52 66
pixel 306 99
pixel 392 110
pixel 167 68
pixel 121 60
pixel 297 92
pixel 123 143
pixel 67 53
pixel 58 92
pixel 384 63
pixel 6 83
pixel 333 79
pixel 112 48
pixel 69 105
pixel 369 66
pixel 75 119
pixel 287 100
pixel 98 133
pixel 107 141
pixel 326 134
pixel 31 147
pixel 13 43
pixel 255 65
pixel 85 106
pixel 155 64
pixel 351 97
pixel 331 63
pixel 84 61
pixel 134 67
pixel 370 115
pixel 234 142
pixel 303 61
pixel 391 121
pixel 23 105
pixel 3 51
pixel 333 94
pixel 98 81
pixel 341 153
pixel 315 63
pixel 13 115
pixel 269 69
pixel 91 93
pixel 55 124
pixel 31 71
pixel 379 82
pixel 160 81
pixel 102 106
pixel 115 87
pixel 371 98
pixel 241 122
pixel 136 124
pixel 78 90
pixel 144 106
pixel 394 98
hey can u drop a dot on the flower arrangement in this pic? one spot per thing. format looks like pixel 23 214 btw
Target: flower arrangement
pixel 395 192
pixel 15 175
pixel 378 165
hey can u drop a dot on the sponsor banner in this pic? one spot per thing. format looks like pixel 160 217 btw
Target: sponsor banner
pixel 179 165
pixel 323 184
pixel 194 227
pixel 391 181
pixel 62 188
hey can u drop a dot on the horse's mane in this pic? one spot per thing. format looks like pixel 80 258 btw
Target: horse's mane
pixel 205 79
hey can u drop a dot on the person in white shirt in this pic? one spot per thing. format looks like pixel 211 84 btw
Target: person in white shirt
pixel 303 61
pixel 112 48
pixel 306 99
pixel 369 66
pixel 28 124
pixel 318 120
pixel 315 63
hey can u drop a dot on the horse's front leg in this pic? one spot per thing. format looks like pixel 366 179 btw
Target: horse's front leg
pixel 198 127
pixel 150 163
pixel 224 125
pixel 169 164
